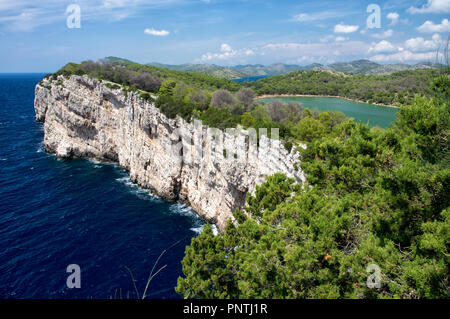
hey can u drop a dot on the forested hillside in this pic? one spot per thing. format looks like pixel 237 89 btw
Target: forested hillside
pixel 210 69
pixel 240 71
pixel 372 222
pixel 398 88
pixel 217 102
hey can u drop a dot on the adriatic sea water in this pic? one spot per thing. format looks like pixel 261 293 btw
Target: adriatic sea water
pixel 54 213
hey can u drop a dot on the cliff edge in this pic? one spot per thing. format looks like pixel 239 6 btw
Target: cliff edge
pixel 176 160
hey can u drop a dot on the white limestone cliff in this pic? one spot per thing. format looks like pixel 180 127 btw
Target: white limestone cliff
pixel 85 118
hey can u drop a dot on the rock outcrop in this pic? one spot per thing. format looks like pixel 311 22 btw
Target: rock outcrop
pixel 176 160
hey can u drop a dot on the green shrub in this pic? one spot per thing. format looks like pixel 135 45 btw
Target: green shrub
pixel 171 107
pixel 219 118
pixel 288 146
pixel 113 86
pixel 147 96
pixel 375 196
pixel 167 88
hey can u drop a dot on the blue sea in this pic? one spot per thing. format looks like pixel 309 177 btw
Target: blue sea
pixel 54 213
pixel 253 78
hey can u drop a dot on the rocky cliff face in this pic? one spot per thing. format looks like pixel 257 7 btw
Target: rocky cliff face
pixel 174 159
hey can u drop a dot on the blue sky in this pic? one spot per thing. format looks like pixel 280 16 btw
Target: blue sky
pixel 34 36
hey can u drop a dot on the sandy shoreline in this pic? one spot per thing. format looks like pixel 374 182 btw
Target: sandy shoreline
pixel 311 95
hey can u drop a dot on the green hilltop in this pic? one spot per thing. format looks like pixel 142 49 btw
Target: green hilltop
pixel 210 69
pixel 366 67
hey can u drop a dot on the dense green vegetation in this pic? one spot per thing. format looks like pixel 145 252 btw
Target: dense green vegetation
pixel 120 72
pixel 374 196
pixel 398 88
pixel 210 69
pixel 221 108
pixel 222 103
pixel 368 67
pixel 200 80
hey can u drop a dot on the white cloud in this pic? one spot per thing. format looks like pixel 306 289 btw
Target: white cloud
pixel 332 38
pixel 342 28
pixel 302 17
pixel 114 3
pixel 382 46
pixel 340 39
pixel 327 39
pixel 393 16
pixel 404 56
pixel 159 33
pixel 28 19
pixel 323 15
pixel 315 52
pixel 432 6
pixel 430 27
pixel 225 48
pixel 384 35
pixel 420 44
pixel 227 52
pixel 296 53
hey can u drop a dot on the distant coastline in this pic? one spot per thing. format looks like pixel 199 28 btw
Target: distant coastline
pixel 264 96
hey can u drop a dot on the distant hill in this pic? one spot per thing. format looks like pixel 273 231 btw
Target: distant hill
pixel 194 79
pixel 356 67
pixel 116 61
pixel 237 71
pixel 391 68
pixel 272 69
pixel 366 67
pixel 397 89
pixel 210 69
pixel 313 66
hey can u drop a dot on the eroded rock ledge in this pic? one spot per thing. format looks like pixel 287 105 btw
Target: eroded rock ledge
pixel 85 118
